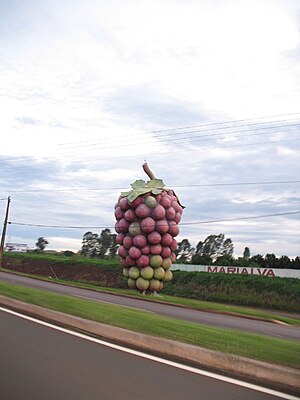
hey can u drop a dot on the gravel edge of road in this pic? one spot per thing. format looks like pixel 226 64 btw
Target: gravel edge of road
pixel 276 377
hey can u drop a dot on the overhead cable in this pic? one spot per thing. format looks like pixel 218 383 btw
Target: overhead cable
pixel 183 223
pixel 175 186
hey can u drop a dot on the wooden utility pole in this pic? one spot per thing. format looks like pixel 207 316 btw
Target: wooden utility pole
pixel 4 232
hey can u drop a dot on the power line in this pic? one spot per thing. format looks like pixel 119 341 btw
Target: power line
pixel 195 126
pixel 194 138
pixel 84 143
pixel 236 184
pixel 241 218
pixel 174 186
pixel 183 223
pixel 226 122
pixel 156 154
pixel 52 159
pixel 212 124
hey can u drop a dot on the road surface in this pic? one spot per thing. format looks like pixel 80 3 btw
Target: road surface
pixel 202 317
pixel 43 362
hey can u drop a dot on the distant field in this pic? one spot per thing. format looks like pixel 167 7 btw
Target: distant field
pixel 247 290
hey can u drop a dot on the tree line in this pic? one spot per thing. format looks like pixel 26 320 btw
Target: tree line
pixel 214 250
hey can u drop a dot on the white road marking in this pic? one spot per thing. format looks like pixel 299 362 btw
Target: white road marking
pixel 157 359
pixel 113 304
pixel 273 334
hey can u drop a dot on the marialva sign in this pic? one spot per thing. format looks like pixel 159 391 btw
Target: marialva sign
pixel 272 272
pixel 241 270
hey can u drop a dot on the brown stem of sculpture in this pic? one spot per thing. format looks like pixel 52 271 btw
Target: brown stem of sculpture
pixel 148 171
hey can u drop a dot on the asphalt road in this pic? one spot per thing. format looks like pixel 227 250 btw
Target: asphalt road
pixel 39 362
pixel 217 320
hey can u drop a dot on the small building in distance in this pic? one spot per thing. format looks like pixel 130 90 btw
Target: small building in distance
pixel 16 247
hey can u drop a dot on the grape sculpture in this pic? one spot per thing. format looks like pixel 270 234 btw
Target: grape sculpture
pixel 147 224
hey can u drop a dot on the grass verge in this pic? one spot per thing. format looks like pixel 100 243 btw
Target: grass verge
pixel 278 351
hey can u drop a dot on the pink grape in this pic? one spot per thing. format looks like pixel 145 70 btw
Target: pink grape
pixel 136 202
pixel 130 215
pixel 162 226
pixel 118 213
pixel 165 201
pixel 127 241
pixel 170 213
pixel 122 251
pixel 158 212
pixel 142 261
pixel 148 225
pixel 142 211
pixel 130 261
pixel 166 240
pixel 155 249
pixel 145 250
pixel 154 237
pixel 177 217
pixel 165 252
pixel 173 228
pixel 123 203
pixel 134 252
pixel 140 240
pixel 174 245
pixel 123 225
pixel 120 238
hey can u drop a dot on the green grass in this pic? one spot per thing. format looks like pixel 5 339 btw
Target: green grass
pixel 75 259
pixel 185 302
pixel 195 304
pixel 244 290
pixel 278 351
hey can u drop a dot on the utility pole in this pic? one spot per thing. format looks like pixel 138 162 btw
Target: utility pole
pixel 4 231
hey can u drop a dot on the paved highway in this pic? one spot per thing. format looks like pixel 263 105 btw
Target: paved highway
pixel 41 361
pixel 218 320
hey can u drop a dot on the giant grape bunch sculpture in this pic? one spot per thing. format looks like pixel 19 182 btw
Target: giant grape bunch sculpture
pixel 147 223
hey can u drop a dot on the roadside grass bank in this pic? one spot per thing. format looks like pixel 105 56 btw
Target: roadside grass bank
pixel 248 290
pixel 177 301
pixel 272 350
pixel 64 260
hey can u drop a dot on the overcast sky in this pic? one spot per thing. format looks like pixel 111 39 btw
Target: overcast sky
pixel 208 92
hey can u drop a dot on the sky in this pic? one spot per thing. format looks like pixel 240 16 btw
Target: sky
pixel 207 92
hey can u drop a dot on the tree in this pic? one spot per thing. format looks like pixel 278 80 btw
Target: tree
pixel 184 251
pixel 284 262
pixel 104 242
pixel 214 246
pixel 101 246
pixel 201 259
pixel 113 245
pixel 246 254
pixel 225 260
pixel 90 244
pixel 68 253
pixel 41 244
pixel 258 261
pixel 295 264
pixel 271 261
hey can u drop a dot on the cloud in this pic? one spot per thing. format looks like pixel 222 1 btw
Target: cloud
pixel 84 85
pixel 147 106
